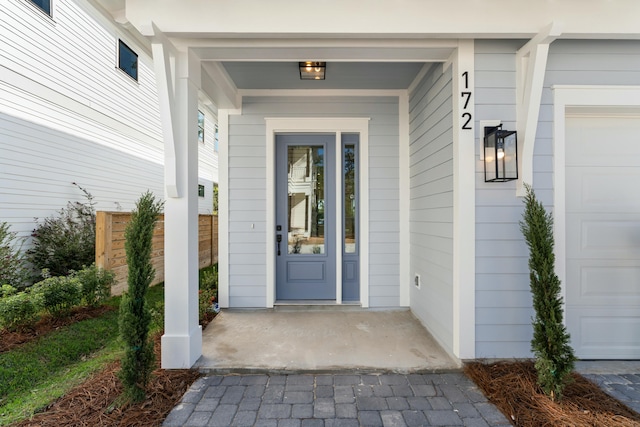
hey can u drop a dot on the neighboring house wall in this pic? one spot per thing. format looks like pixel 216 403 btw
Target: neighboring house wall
pixel 68 114
pixel 503 300
pixel 247 191
pixel 431 194
pixel 208 162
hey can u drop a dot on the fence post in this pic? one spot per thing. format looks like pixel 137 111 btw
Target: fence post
pixel 103 239
pixel 214 239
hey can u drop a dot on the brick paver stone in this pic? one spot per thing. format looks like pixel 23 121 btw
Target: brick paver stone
pixel 448 399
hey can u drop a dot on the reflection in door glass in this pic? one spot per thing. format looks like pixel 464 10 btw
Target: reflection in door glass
pixel 350 199
pixel 306 199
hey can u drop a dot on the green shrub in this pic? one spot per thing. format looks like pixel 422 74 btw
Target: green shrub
pixel 7 290
pixel 209 277
pixel 157 316
pixel 205 302
pixel 95 284
pixel 13 269
pixel 66 242
pixel 550 343
pixel 18 311
pixel 58 295
pixel 134 318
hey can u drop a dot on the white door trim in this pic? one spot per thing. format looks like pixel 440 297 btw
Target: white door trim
pixel 322 124
pixel 568 99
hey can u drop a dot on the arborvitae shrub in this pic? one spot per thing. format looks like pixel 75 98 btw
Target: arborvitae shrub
pixel 135 318
pixel 550 343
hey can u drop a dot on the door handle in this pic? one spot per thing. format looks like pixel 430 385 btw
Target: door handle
pixel 279 239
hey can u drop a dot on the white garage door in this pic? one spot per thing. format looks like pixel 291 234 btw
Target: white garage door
pixel 603 236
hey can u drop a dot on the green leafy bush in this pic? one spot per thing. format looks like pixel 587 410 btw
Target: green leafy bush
pixel 58 295
pixel 13 269
pixel 209 277
pixel 205 302
pixel 135 318
pixel 95 284
pixel 7 290
pixel 66 242
pixel 18 311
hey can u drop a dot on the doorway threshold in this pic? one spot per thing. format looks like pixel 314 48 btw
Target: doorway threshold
pixel 318 305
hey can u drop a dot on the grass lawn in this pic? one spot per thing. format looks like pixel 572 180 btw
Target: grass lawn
pixel 34 375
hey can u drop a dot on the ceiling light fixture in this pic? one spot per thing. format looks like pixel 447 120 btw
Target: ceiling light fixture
pixel 312 70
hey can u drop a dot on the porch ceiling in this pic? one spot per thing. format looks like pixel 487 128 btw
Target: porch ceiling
pixel 339 75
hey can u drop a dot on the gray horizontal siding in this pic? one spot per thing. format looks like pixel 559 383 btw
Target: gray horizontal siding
pixel 431 203
pixel 503 302
pixel 247 190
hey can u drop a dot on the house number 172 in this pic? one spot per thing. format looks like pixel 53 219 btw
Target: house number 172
pixel 466 96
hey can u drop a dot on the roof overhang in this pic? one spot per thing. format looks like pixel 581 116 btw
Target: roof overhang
pixel 522 19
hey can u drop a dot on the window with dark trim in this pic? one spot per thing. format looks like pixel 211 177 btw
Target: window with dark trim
pixel 200 126
pixel 44 5
pixel 127 60
pixel 215 139
pixel 200 190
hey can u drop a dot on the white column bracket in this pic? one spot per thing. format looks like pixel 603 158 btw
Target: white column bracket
pixel 531 64
pixel 164 63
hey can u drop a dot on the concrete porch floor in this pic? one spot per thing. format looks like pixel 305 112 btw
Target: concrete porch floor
pixel 327 339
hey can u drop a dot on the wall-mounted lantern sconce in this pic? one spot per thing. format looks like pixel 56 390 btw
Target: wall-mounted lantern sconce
pixel 312 70
pixel 500 154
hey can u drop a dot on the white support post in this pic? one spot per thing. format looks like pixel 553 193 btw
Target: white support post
pixel 182 340
pixel 531 63
pixel 463 66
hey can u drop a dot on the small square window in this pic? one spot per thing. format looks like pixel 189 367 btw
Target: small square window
pixel 200 126
pixel 200 190
pixel 45 5
pixel 127 60
pixel 215 139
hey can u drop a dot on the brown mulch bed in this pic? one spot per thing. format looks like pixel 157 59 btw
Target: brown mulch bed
pixel 9 340
pixel 94 403
pixel 512 387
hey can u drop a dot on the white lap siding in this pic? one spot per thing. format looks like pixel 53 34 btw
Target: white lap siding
pixel 68 114
pixel 247 191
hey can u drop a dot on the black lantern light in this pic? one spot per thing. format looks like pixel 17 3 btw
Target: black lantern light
pixel 312 70
pixel 500 154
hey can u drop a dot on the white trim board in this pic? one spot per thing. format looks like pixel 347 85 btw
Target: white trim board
pixel 464 204
pixel 323 124
pixel 568 100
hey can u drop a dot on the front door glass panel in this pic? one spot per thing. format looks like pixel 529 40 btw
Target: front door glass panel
pixel 350 201
pixel 306 199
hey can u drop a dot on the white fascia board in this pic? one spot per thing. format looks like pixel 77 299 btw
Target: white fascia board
pixel 353 18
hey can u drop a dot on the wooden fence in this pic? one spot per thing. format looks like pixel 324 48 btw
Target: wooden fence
pixel 110 253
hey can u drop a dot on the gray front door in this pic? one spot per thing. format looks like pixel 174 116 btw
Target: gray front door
pixel 305 217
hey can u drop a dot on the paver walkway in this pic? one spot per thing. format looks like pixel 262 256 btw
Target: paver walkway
pixel 624 387
pixel 446 399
